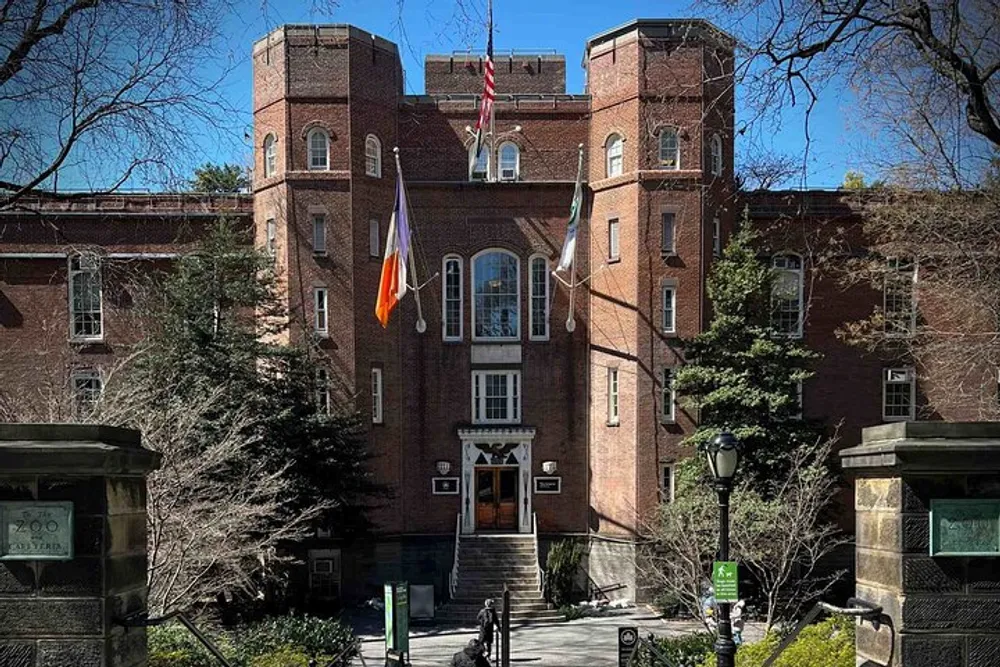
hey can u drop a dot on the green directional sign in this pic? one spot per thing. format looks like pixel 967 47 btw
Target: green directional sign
pixel 725 579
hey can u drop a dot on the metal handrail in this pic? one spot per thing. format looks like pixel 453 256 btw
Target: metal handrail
pixel 538 558
pixel 141 620
pixel 453 578
pixel 856 607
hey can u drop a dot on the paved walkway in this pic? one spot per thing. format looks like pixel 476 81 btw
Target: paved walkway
pixel 585 642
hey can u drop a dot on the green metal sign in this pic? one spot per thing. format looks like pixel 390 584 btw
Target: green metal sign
pixel 965 527
pixel 397 617
pixel 725 580
pixel 36 530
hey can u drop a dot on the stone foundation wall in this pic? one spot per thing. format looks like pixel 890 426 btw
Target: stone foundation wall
pixel 612 562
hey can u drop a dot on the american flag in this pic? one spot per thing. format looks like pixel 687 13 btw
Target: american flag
pixel 489 94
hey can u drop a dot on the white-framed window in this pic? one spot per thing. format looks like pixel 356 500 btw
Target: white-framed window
pixel 509 157
pixel 716 237
pixel 86 298
pixel 668 230
pixel 667 482
pixel 496 284
pixel 481 168
pixel 614 149
pixel 374 238
pixel 899 394
pixel 319 233
pixel 451 314
pixel 786 295
pixel 613 240
pixel 87 386
pixel 496 397
pixel 613 413
pixel 324 574
pixel 715 154
pixel 321 321
pixel 898 303
pixel 373 156
pixel 377 415
pixel 538 327
pixel 668 321
pixel 271 237
pixel 668 410
pixel 670 148
pixel 319 149
pixel 270 155
pixel 322 389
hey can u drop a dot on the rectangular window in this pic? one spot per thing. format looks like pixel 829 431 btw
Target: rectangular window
pixel 322 324
pixel 716 237
pixel 669 397
pixel 667 246
pixel 452 316
pixel 613 396
pixel 323 390
pixel 271 237
pixel 324 574
pixel 668 321
pixel 374 238
pixel 613 239
pixel 376 395
pixel 539 299
pixel 85 298
pixel 319 234
pixel 87 387
pixel 899 394
pixel 899 308
pixel 496 397
pixel 667 482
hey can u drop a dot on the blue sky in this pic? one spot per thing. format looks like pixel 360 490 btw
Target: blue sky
pixel 437 26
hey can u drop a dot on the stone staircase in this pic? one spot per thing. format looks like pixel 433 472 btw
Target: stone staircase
pixel 485 563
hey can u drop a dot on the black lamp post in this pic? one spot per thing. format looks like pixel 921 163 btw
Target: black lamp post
pixel 723 459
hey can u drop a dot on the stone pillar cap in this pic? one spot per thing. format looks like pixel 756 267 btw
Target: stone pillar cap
pixel 76 449
pixel 952 447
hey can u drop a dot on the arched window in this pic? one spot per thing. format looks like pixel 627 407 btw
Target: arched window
pixel 670 148
pixel 319 150
pixel 479 167
pixel 451 299
pixel 373 156
pixel 539 311
pixel 496 288
pixel 510 162
pixel 270 155
pixel 786 295
pixel 614 149
pixel 715 150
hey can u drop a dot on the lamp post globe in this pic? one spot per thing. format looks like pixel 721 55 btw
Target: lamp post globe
pixel 723 457
pixel 723 454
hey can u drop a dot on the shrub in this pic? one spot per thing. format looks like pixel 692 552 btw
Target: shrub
pixel 561 566
pixel 826 644
pixel 309 635
pixel 685 651
pixel 174 646
pixel 286 657
pixel 573 612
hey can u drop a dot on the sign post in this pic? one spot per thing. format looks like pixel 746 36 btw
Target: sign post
pixel 397 622
pixel 628 640
pixel 725 580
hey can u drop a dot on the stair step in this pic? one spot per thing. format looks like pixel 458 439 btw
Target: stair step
pixel 497 584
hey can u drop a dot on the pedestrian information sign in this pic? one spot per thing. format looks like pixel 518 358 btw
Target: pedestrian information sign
pixel 397 618
pixel 628 639
pixel 725 579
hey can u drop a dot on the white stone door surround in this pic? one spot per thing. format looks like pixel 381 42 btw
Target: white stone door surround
pixel 496 446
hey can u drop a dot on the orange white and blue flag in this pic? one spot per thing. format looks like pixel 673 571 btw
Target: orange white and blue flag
pixel 392 285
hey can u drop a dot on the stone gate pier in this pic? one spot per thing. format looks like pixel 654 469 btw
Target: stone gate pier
pixel 927 496
pixel 72 545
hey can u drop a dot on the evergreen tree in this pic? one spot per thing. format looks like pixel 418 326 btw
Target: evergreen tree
pixel 219 178
pixel 742 375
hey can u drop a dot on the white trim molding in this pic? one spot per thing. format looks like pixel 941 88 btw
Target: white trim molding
pixel 497 446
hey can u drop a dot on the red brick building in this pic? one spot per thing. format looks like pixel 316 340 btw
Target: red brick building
pixel 497 417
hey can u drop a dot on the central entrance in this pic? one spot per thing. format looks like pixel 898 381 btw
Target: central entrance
pixel 496 479
pixel 496 498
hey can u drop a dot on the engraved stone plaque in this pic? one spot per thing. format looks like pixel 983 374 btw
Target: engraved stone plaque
pixel 965 527
pixel 36 531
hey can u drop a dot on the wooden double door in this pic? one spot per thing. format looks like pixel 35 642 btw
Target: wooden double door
pixel 496 498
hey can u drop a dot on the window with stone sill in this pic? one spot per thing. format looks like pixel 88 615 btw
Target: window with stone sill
pixel 319 149
pixel 496 293
pixel 373 156
pixel 670 148
pixel 614 149
pixel 613 406
pixel 496 397
pixel 87 386
pixel 86 298
pixel 899 394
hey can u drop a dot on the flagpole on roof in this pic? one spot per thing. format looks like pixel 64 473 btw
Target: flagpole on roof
pixel 421 323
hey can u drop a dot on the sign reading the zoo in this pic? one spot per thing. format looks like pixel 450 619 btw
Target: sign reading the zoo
pixel 36 531
pixel 965 527
pixel 725 579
